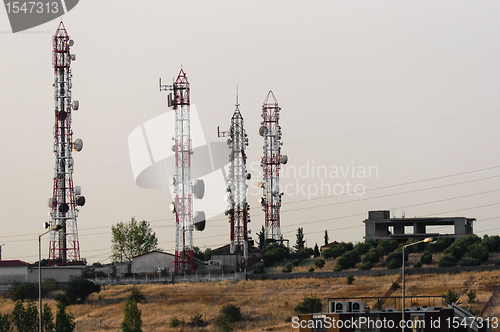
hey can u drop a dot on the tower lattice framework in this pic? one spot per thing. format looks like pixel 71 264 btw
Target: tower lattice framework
pixel 271 162
pixel 238 210
pixel 64 247
pixel 183 201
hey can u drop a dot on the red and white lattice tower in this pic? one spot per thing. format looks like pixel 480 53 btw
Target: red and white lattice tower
pixel 64 247
pixel 185 189
pixel 270 163
pixel 238 210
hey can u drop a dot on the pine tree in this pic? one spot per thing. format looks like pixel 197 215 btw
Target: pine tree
pixel 47 319
pixel 300 239
pixel 316 251
pixel 4 323
pixel 18 315
pixel 132 321
pixel 326 237
pixel 31 317
pixel 65 321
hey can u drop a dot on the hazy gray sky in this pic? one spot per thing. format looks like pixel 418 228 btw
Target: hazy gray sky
pixel 409 88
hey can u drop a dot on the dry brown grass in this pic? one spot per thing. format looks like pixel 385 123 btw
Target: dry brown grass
pixel 265 304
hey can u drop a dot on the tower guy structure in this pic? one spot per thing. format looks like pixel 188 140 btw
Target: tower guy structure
pixel 238 209
pixel 270 163
pixel 184 188
pixel 64 247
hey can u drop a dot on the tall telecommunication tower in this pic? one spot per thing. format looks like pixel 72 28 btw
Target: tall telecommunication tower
pixel 64 247
pixel 184 188
pixel 238 210
pixel 270 163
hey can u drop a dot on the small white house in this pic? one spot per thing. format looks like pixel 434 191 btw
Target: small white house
pixel 153 262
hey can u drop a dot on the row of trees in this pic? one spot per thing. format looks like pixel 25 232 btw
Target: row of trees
pixel 26 319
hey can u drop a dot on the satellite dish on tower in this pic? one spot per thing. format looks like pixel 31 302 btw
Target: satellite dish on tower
pixel 262 131
pixel 198 188
pixel 78 145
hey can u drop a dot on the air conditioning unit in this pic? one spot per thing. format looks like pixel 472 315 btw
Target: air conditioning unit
pixel 357 306
pixel 340 307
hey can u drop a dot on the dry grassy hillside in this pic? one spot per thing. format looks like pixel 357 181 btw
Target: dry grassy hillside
pixel 265 304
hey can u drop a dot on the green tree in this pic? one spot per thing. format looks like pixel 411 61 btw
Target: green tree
pixel 47 319
pixel 137 295
pixel 25 320
pixel 132 321
pixel 4 323
pixel 24 291
pixel 65 321
pixel 31 317
pixel 320 263
pixel 326 237
pixel 131 239
pixel 316 251
pixel 78 290
pixel 232 311
pixel 18 315
pixel 262 238
pixel 350 279
pixel 471 297
pixel 299 243
pixel 309 305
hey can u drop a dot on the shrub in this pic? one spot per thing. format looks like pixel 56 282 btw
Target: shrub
pixel 447 261
pixel 197 319
pixel 79 290
pixel 441 244
pixel 295 262
pixel 395 259
pixel 337 250
pixel 417 265
pixel 311 269
pixel 363 247
pixel 372 257
pixel 308 305
pixel 491 242
pixel 478 251
pixel 350 279
pixel 225 323
pixel 365 266
pixel 451 297
pixel 347 260
pixel 259 268
pixel 426 258
pixel 273 252
pixel 320 263
pixel 232 311
pixel 497 262
pixel 174 322
pixel 385 246
pixel 302 253
pixel 132 321
pixel 394 286
pixel 288 268
pixel 24 291
pixel 470 262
